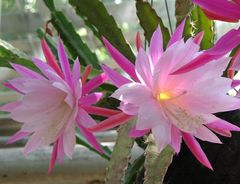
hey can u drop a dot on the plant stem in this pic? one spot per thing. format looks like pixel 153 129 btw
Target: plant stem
pixel 120 155
pixel 156 164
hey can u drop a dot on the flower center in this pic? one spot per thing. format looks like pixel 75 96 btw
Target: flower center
pixel 169 94
pixel 164 96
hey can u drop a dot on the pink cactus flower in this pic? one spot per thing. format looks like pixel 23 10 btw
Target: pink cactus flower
pixel 224 10
pixel 174 93
pixel 54 104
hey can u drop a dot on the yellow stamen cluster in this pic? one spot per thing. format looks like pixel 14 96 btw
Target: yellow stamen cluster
pixel 163 96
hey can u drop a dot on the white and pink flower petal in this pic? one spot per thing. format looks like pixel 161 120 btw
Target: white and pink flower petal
pixel 162 135
pixel 205 134
pixel 128 108
pixel 117 79
pixel 176 139
pixel 143 67
pixel 156 46
pixel 91 98
pixel 69 139
pixel 85 119
pixel 17 136
pixel 133 93
pixel 150 115
pixel 63 58
pixel 25 72
pixel 134 133
pixel 177 35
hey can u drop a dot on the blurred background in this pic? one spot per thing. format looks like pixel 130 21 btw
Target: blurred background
pixel 19 20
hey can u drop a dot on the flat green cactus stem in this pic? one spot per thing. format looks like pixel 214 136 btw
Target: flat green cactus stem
pixel 156 164
pixel 120 156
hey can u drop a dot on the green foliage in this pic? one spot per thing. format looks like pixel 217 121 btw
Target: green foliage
pixel 71 39
pixel 97 18
pixel 50 4
pixel 149 20
pixel 9 54
pixel 188 29
pixel 201 23
pixel 156 164
pixel 195 23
